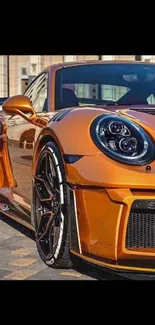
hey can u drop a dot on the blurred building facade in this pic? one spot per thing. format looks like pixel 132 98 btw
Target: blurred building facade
pixel 17 71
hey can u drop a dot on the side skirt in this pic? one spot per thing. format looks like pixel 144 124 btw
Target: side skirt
pixel 11 206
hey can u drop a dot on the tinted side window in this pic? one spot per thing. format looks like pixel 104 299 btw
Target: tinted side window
pixel 37 93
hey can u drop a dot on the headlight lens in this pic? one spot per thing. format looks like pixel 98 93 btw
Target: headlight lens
pixel 122 140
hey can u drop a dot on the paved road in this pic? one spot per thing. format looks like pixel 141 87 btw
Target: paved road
pixel 19 259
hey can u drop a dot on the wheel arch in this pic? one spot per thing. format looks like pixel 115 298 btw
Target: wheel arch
pixel 42 140
pixel 75 244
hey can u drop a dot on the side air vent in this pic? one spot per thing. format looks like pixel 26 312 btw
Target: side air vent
pixel 60 115
pixel 71 159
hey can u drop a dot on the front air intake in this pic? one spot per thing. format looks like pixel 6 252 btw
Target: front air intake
pixel 141 226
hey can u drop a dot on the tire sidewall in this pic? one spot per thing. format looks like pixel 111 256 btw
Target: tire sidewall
pixel 56 156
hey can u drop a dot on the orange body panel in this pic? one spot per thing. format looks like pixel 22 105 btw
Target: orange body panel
pixel 107 173
pixel 103 217
pixel 95 213
pixel 103 213
pixel 6 175
pixel 104 189
pixel 103 171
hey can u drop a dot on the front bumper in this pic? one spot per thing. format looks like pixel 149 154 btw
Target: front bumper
pixel 117 228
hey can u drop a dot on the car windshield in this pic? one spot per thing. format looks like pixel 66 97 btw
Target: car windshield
pixel 105 84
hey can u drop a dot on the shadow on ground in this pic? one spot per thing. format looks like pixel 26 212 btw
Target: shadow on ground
pixel 22 229
pixel 80 266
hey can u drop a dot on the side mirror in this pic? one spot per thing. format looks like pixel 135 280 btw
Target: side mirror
pixel 19 105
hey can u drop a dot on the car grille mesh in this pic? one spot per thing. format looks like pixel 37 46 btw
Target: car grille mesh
pixel 141 229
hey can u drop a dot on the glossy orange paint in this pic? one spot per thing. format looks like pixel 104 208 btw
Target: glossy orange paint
pixel 20 105
pixel 102 170
pixel 102 212
pixel 103 187
pixel 6 173
pixel 103 216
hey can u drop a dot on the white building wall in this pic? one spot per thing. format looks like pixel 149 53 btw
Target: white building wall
pixel 3 75
pixel 107 57
pixel 87 57
pixel 70 58
pixel 47 60
pixel 148 58
pixel 34 64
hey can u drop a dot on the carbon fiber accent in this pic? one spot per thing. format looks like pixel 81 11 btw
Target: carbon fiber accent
pixel 60 115
pixel 71 159
pixel 141 229
pixel 144 110
pixel 75 244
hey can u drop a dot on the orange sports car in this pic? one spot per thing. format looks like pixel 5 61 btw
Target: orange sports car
pixel 77 163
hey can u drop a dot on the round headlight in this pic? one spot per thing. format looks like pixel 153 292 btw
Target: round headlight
pixel 122 140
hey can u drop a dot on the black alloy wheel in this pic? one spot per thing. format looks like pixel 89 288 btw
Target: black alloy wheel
pixel 50 208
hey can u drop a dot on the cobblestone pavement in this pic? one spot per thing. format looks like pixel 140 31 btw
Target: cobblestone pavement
pixel 19 259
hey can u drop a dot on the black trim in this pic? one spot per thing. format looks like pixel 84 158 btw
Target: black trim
pixel 71 159
pixel 142 190
pixel 99 258
pixel 74 241
pixel 141 263
pixel 147 110
pixel 60 115
pixel 86 187
pixel 143 205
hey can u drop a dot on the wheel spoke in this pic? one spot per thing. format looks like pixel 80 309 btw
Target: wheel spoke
pixel 47 227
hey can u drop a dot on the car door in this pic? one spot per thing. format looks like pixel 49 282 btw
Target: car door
pixel 7 179
pixel 21 137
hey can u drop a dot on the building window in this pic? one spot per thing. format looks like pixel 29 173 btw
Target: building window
pixel 24 71
pixel 34 67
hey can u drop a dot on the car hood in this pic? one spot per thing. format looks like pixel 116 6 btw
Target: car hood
pixel 144 116
pixel 141 115
pixel 71 131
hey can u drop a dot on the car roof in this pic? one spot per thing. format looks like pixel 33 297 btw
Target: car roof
pixel 87 62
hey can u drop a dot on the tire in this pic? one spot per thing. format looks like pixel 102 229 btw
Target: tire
pixel 50 167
